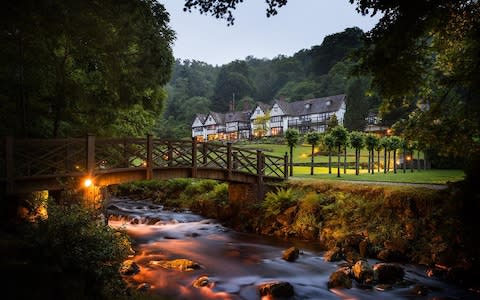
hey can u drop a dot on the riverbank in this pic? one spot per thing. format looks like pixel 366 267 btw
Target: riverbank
pixel 434 228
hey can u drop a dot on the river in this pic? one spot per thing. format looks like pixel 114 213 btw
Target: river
pixel 236 263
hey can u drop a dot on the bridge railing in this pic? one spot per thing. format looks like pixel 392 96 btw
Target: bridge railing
pixel 40 158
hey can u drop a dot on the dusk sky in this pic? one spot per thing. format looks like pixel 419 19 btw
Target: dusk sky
pixel 300 24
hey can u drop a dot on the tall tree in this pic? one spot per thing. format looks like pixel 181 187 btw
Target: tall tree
pixel 371 141
pixel 76 60
pixel 357 141
pixel 395 144
pixel 340 135
pixel 292 135
pixel 329 142
pixel 313 138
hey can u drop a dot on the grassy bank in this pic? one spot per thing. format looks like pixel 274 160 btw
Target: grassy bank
pixel 421 225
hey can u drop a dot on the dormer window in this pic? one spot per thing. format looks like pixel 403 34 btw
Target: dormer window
pixel 308 105
pixel 329 102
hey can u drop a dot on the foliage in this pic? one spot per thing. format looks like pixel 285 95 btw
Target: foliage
pixel 357 139
pixel 260 125
pixel 292 136
pixel 340 136
pixel 73 240
pixel 276 202
pixel 371 141
pixel 313 138
pixel 63 71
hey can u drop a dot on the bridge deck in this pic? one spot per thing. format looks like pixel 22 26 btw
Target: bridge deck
pixel 38 164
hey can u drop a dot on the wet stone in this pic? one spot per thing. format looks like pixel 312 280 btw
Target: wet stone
pixel 129 267
pixel 276 289
pixel 291 254
pixel 339 279
pixel 180 264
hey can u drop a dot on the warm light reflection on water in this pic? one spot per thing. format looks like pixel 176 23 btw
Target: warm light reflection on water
pixel 235 264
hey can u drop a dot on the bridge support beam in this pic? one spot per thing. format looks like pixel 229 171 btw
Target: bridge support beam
pixel 242 193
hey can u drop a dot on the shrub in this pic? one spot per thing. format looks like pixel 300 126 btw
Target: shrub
pixel 73 240
pixel 276 202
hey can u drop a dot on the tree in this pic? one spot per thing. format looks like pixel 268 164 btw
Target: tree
pixel 357 141
pixel 292 135
pixel 371 141
pixel 385 145
pixel 332 123
pixel 378 147
pixel 65 69
pixel 395 144
pixel 340 136
pixel 260 125
pixel 313 138
pixel 329 142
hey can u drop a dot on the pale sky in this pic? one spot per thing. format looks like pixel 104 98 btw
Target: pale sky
pixel 300 24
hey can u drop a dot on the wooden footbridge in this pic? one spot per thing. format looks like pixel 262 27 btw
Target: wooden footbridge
pixel 28 165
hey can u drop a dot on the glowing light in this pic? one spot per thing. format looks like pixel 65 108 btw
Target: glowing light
pixel 88 182
pixel 409 157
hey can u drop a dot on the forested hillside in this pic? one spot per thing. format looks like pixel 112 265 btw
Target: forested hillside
pixel 323 70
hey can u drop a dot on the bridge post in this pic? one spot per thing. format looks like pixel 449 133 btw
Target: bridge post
pixel 90 154
pixel 170 153
pixel 205 152
pixel 260 184
pixel 9 165
pixel 194 157
pixel 285 165
pixel 229 160
pixel 149 161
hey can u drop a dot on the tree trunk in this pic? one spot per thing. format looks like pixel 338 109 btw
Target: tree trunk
pixel 329 161
pixel 369 160
pixel 378 161
pixel 385 161
pixel 388 163
pixel 404 161
pixel 291 161
pixel 418 160
pixel 373 160
pixel 395 161
pixel 357 154
pixel 345 160
pixel 311 163
pixel 338 163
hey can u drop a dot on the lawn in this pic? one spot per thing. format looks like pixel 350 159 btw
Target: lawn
pixel 301 154
pixel 428 176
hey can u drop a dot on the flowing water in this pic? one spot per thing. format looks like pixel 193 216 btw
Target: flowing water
pixel 237 263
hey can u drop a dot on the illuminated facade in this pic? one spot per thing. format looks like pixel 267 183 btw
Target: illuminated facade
pixel 270 120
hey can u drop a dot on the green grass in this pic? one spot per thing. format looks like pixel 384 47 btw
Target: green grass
pixel 428 176
pixel 301 154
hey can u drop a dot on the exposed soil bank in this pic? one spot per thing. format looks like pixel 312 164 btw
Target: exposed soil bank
pixel 392 223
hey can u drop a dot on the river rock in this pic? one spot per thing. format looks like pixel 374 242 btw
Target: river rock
pixel 180 264
pixel 362 272
pixel 419 290
pixel 287 217
pixel 334 254
pixel 129 267
pixel 276 289
pixel 201 281
pixel 339 279
pixel 389 255
pixel 291 254
pixel 387 273
pixel 143 287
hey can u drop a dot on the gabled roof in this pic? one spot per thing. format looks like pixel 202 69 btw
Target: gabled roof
pixel 237 116
pixel 284 106
pixel 317 105
pixel 218 117
pixel 201 117
pixel 263 106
